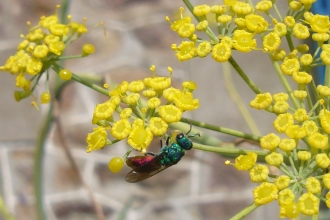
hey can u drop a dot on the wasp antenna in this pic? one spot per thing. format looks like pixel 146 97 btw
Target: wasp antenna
pixel 194 135
pixel 190 126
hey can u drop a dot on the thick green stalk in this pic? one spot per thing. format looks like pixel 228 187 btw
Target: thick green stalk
pixel 222 130
pixel 38 164
pixel 242 74
pixel 245 212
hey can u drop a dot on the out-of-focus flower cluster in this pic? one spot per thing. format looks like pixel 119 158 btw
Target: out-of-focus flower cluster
pixel 40 50
pixel 300 149
pixel 239 24
pixel 128 115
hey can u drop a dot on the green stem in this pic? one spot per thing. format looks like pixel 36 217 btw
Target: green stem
pixel 247 210
pixel 38 164
pixel 242 74
pixel 222 130
pixel 289 40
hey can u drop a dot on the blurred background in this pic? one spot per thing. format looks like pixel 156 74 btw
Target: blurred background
pixel 137 36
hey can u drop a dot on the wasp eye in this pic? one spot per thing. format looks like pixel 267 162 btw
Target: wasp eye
pixel 180 136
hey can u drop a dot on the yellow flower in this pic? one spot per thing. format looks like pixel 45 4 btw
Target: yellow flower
pixel 34 67
pixel 223 19
pixel 121 129
pixel 46 22
pixel 169 93
pixel 185 101
pixel 290 210
pixel 280 97
pixel 221 52
pixel 296 132
pixel 126 113
pixel 278 54
pixel 300 31
pixel 310 127
pixel 322 160
pixel 325 56
pixel 185 51
pixel 97 139
pixel 302 77
pixel 264 5
pixel 170 113
pixel 153 102
pixel 306 59
pixel 87 49
pixel 299 94
pixel 313 185
pixel 245 162
pixel 59 29
pixel 326 180
pixel 176 25
pixel 261 101
pixel 282 182
pixel 282 122
pixel 256 23
pixel 201 26
pixel 243 41
pixel 22 82
pixel 242 8
pixel 140 137
pixel 132 99
pixel 218 9
pixel 186 30
pixel 35 35
pixel 300 115
pixel 320 37
pixel 240 22
pixel 265 193
pixel 229 2
pixel 308 204
pixel 203 49
pixel 270 141
pixel 157 83
pixel 274 159
pixel 259 173
pixel 104 110
pixel 40 51
pixel 289 21
pixel 287 144
pixel 280 107
pixel 271 42
pixel 57 47
pixel 51 39
pixel 286 196
pixel 323 90
pixel 189 86
pixel 304 155
pixel 136 86
pixel 158 126
pixel 201 10
pixel 149 93
pixel 318 141
pixel 280 29
pixel 290 66
pixel 295 6
pixel 320 23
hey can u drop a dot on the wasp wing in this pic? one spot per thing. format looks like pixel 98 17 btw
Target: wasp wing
pixel 146 170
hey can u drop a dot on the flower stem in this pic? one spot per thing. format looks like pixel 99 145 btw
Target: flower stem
pixel 246 79
pixel 247 210
pixel 222 130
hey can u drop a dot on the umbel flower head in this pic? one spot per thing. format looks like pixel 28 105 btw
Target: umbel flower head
pixel 139 110
pixel 40 50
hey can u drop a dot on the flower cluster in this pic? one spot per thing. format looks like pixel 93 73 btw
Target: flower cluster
pixel 299 150
pixel 39 52
pixel 128 115
pixel 238 25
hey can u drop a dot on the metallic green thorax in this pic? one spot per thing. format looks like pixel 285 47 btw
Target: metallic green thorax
pixel 173 153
